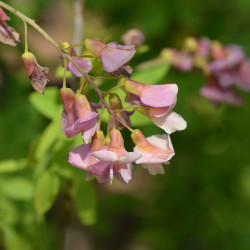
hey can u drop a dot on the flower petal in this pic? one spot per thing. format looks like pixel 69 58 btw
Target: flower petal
pixel 79 157
pixel 170 122
pixel 159 95
pixel 129 157
pixel 154 169
pixel 113 58
pixel 85 65
pixel 106 156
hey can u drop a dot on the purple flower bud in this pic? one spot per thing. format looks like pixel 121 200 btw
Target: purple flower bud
pixel 133 37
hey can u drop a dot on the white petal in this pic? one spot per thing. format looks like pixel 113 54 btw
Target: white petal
pixel 154 168
pixel 170 122
pixel 111 174
pixel 129 157
pixel 126 173
pixel 106 156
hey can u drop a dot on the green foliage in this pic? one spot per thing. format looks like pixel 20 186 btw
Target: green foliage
pixel 85 201
pixel 46 190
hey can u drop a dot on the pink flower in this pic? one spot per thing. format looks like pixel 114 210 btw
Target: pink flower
pixel 155 150
pixel 118 159
pixel 37 74
pixel 218 94
pixel 230 57
pixel 157 102
pixel 77 116
pixel 113 56
pixel 243 79
pixel 7 34
pixel 84 64
pixel 81 157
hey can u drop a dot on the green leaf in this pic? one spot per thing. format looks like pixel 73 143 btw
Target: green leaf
pixel 18 188
pixel 48 104
pixel 48 138
pixel 45 192
pixel 9 166
pixel 14 241
pixel 8 212
pixel 151 72
pixel 85 199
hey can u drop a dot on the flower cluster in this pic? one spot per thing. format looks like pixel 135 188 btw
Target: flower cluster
pixel 106 157
pixel 103 155
pixel 223 66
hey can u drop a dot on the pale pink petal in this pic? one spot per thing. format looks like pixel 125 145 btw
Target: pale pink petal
pixel 129 157
pixel 106 156
pixel 126 173
pixel 162 142
pixel 154 169
pixel 111 175
pixel 99 168
pixel 170 122
pixel 85 65
pixel 89 130
pixel 159 95
pixel 79 157
pixel 113 59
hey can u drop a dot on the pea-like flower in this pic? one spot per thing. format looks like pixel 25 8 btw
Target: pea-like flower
pixel 7 34
pixel 113 56
pixel 77 116
pixel 81 157
pixel 133 37
pixel 157 102
pixel 118 159
pixel 155 150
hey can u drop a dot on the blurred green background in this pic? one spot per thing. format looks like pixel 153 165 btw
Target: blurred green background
pixel 203 200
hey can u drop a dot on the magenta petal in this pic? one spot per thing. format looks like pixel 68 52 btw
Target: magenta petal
pixel 244 75
pixel 113 59
pixel 159 95
pixel 79 157
pixel 86 65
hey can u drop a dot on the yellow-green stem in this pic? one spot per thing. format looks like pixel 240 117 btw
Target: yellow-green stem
pixel 26 37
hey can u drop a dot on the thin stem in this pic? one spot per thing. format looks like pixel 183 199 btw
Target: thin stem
pixel 75 45
pixel 117 86
pixel 124 124
pixel 26 37
pixel 124 109
pixel 100 118
pixel 64 73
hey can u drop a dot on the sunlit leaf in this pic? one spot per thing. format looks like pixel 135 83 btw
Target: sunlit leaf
pixel 18 188
pixel 46 191
pixel 49 104
pixel 85 199
pixel 8 166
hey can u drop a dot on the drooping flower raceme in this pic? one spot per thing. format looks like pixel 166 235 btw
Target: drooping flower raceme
pixel 157 102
